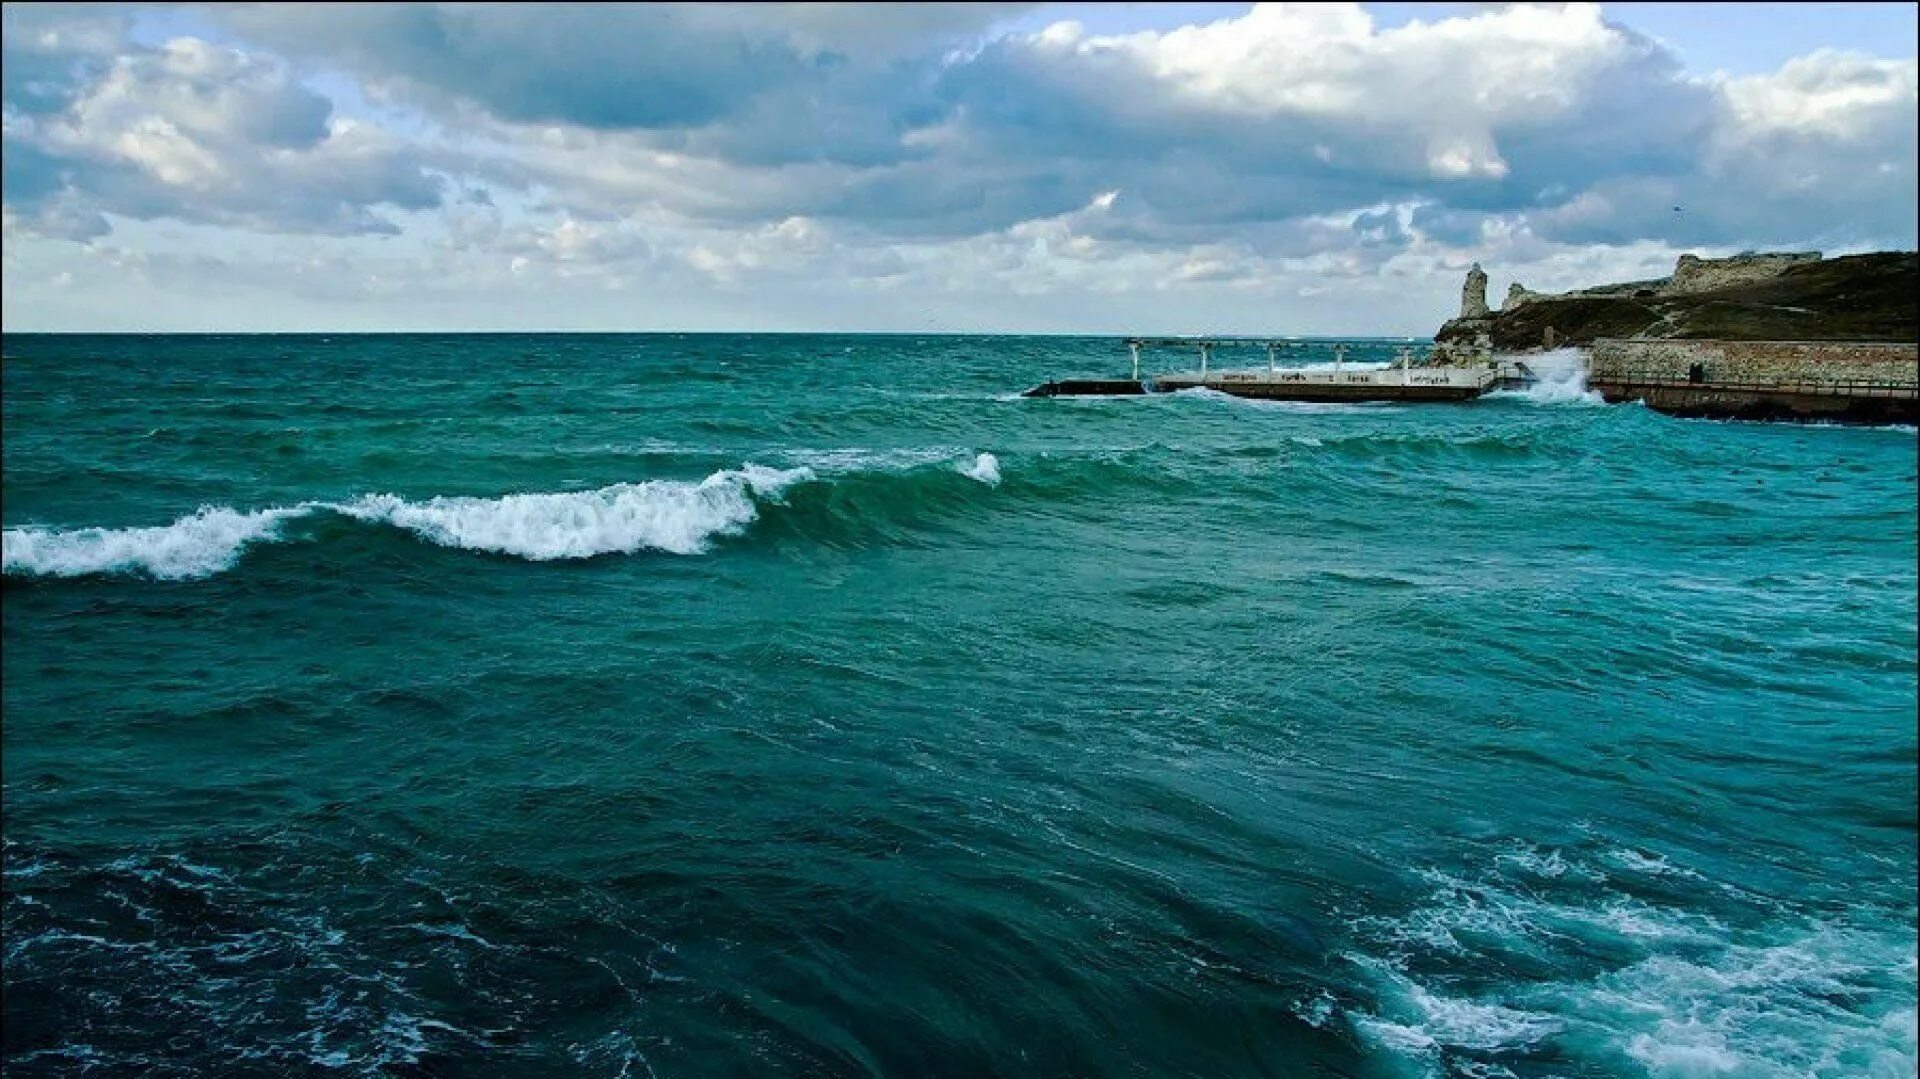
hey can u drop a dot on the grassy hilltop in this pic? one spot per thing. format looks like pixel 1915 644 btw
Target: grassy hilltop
pixel 1854 298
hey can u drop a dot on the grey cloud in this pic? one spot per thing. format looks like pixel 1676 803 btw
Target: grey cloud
pixel 623 66
pixel 898 120
pixel 48 51
pixel 199 132
pixel 898 124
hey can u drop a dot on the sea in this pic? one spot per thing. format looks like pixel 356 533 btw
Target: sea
pixel 741 705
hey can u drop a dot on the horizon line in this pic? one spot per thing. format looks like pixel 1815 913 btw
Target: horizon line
pixel 718 333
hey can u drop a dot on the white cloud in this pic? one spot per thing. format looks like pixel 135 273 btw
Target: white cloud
pixel 1835 94
pixel 197 131
pixel 821 155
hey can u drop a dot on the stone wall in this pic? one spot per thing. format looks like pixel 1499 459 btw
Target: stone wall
pixel 1695 274
pixel 1518 294
pixel 1624 360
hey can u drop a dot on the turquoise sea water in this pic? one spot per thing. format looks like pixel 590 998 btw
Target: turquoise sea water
pixel 741 705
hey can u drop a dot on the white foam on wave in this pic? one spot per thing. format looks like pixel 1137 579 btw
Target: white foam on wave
pixel 1561 379
pixel 666 515
pixel 676 516
pixel 1208 393
pixel 985 468
pixel 1421 1022
pixel 832 462
pixel 1783 1008
pixel 198 545
pixel 862 459
pixel 1682 994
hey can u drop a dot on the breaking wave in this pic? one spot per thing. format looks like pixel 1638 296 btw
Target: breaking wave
pixel 672 516
pixel 985 468
pixel 198 545
pixel 662 515
pixel 1560 379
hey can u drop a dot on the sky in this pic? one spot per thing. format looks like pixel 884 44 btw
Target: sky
pixel 1047 168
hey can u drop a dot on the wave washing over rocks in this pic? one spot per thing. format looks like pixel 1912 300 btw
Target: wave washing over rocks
pixel 673 516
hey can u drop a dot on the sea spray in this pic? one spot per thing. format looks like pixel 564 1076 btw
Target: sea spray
pixel 985 468
pixel 1560 378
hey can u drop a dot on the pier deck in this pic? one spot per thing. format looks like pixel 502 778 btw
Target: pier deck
pixel 1330 382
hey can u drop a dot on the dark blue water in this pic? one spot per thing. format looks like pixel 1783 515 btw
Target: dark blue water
pixel 710 705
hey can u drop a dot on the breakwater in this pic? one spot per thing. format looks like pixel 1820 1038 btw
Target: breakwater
pixel 1866 382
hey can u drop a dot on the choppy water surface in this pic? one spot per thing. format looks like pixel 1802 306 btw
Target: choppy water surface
pixel 811 705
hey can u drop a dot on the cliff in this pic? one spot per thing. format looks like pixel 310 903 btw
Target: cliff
pixel 1773 297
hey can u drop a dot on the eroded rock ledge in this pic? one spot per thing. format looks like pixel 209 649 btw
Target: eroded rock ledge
pixel 1775 296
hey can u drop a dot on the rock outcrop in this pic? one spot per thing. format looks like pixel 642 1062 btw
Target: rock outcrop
pixel 1765 297
pixel 1473 295
pixel 1694 274
pixel 1468 337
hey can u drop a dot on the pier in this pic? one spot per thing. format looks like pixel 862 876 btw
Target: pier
pixel 1403 381
pixel 1834 381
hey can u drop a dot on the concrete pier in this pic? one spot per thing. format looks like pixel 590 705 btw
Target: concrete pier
pixel 1837 381
pixel 1323 382
pixel 1390 384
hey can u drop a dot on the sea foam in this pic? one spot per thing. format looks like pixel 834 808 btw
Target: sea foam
pixel 1560 379
pixel 985 468
pixel 665 515
pixel 1679 994
pixel 680 517
pixel 675 516
pixel 198 545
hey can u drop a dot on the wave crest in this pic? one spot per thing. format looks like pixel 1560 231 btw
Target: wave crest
pixel 665 515
pixel 985 468
pixel 198 545
pixel 681 517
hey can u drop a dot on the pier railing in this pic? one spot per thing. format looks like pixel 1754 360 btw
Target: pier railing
pixel 1274 347
pixel 1807 368
pixel 1832 387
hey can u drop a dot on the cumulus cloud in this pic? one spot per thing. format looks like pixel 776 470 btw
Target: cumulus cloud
pixel 198 132
pixel 908 149
pixel 658 67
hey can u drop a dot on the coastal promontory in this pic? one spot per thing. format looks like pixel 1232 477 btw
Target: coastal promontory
pixel 1793 296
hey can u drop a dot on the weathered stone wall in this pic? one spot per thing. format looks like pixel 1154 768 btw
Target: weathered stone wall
pixel 1518 294
pixel 1695 274
pixel 1621 360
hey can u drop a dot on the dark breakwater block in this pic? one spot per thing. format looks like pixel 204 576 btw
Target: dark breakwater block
pixel 1088 387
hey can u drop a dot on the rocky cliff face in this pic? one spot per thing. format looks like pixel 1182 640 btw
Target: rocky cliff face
pixel 1694 274
pixel 1774 297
